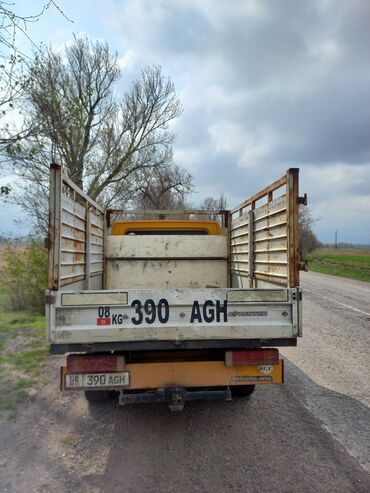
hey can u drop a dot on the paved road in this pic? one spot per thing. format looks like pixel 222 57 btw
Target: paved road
pixel 353 296
pixel 335 348
pixel 333 358
pixel 310 435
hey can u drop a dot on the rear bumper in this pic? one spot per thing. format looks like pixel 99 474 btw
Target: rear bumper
pixel 175 398
pixel 170 345
pixel 190 374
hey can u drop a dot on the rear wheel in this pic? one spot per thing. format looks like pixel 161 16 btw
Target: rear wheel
pixel 96 396
pixel 242 390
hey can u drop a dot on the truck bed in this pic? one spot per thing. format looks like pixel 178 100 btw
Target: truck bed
pixel 236 290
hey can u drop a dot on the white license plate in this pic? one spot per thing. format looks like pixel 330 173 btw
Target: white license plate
pixel 96 380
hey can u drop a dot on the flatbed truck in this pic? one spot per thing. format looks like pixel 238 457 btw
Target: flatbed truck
pixel 152 308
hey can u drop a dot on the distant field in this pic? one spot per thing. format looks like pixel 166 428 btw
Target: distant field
pixel 344 262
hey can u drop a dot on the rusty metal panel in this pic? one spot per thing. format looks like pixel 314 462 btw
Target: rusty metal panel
pixel 54 227
pixel 293 226
pixel 74 208
pixel 266 192
pixel 71 233
pixel 96 238
pixel 264 238
pixel 239 245
pixel 72 270
pixel 97 220
pixel 76 236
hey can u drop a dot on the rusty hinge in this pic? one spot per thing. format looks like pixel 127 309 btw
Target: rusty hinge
pixel 108 213
pixel 50 299
pixel 47 243
pixel 302 200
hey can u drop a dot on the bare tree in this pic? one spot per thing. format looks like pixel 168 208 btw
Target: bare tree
pixel 13 74
pixel 108 146
pixel 167 188
pixel 13 77
pixel 213 204
pixel 70 101
pixel 138 140
pixel 308 241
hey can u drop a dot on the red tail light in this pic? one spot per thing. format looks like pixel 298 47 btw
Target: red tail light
pixel 90 363
pixel 268 356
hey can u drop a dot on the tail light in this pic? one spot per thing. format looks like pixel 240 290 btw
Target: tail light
pixel 267 356
pixel 91 363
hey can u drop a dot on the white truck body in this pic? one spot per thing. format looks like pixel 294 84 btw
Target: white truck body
pixel 235 290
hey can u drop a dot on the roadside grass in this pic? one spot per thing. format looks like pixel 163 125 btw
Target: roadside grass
pixel 12 321
pixel 23 348
pixel 343 262
pixel 23 351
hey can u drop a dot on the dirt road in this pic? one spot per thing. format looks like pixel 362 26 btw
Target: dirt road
pixel 309 435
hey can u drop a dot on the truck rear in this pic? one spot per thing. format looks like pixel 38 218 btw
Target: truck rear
pixel 155 308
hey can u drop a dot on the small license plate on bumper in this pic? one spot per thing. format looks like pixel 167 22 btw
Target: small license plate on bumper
pixel 97 380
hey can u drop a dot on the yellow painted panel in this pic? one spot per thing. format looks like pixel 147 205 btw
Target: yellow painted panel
pixel 200 374
pixel 122 227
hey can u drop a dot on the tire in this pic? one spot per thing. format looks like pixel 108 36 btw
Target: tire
pixel 242 390
pixel 96 396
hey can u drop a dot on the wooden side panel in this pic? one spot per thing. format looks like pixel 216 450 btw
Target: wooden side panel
pixel 76 236
pixel 264 238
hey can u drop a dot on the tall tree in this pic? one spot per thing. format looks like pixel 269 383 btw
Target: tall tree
pixel 166 188
pixel 109 146
pixel 213 204
pixel 70 101
pixel 308 241
pixel 13 77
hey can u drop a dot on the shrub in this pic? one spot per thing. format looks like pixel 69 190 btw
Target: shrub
pixel 308 241
pixel 24 277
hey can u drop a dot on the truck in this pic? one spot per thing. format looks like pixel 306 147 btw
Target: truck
pixel 172 306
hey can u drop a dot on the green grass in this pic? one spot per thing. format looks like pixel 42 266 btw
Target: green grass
pixel 23 383
pixel 29 362
pixel 10 397
pixel 23 348
pixel 10 321
pixel 23 351
pixel 351 263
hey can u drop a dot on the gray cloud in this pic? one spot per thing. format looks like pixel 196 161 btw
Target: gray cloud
pixel 266 85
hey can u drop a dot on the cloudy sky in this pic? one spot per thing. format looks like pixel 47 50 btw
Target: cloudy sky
pixel 265 85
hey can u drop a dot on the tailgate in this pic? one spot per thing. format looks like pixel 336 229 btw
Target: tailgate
pixel 124 316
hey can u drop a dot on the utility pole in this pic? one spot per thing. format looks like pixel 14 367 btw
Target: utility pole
pixel 336 239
